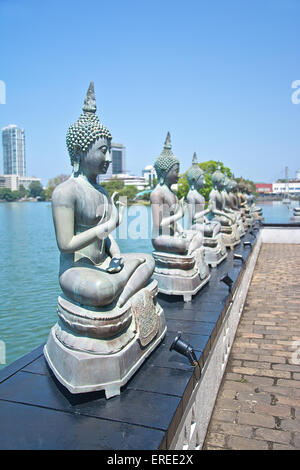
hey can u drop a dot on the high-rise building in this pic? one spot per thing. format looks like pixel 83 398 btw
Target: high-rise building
pixel 13 141
pixel 117 165
pixel 149 174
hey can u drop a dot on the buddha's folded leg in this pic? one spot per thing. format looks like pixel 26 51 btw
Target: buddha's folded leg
pixel 195 242
pixel 95 287
pixel 223 220
pixel 139 278
pixel 216 227
pixel 170 244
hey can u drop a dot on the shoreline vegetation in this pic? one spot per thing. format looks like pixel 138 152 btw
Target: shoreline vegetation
pixel 134 196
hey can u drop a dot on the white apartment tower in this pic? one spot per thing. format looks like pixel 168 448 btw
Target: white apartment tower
pixel 13 141
pixel 118 162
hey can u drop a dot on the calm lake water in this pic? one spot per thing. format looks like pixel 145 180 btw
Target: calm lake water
pixel 29 268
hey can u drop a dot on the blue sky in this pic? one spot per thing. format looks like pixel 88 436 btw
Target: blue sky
pixel 217 74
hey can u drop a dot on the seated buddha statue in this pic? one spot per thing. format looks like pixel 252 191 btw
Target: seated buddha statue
pixel 225 217
pixel 215 250
pixel 255 211
pixel 180 267
pixel 242 202
pixel 234 201
pixel 103 289
pixel 230 203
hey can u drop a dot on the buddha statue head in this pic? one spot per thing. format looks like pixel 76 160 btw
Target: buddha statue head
pixel 233 186
pixel 226 181
pixel 195 175
pixel 167 165
pixel 248 188
pixel 217 178
pixel 88 141
pixel 241 185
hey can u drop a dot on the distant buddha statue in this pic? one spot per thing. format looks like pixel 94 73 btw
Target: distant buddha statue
pixel 228 198
pixel 180 267
pixel 255 211
pixel 242 201
pixel 225 217
pixel 234 203
pixel 108 296
pixel 215 250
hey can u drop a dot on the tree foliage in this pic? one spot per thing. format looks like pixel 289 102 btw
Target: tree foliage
pixel 249 183
pixel 7 195
pixel 209 167
pixel 35 189
pixel 116 185
pixel 23 191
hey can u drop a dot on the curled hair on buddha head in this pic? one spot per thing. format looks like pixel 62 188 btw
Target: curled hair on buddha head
pixel 194 172
pixel 241 185
pixel 217 177
pixel 86 130
pixel 165 161
pixel 232 185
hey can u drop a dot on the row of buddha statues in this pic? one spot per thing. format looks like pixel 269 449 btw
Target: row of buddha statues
pixel 109 316
pixel 183 256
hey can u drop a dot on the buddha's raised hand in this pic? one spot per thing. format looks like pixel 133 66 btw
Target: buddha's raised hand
pixel 182 205
pixel 122 206
pixel 115 215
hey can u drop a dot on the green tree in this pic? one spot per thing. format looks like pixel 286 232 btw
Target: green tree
pixel 129 192
pixel 35 189
pixel 23 191
pixel 113 185
pixel 146 197
pixel 7 195
pixel 209 167
pixel 116 185
pixel 250 183
pixel 42 196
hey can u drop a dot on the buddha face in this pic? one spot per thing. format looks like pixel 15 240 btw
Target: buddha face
pixel 172 175
pixel 96 159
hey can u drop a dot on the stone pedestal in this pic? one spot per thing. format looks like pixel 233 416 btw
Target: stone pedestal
pixel 215 250
pixel 240 226
pixel 249 218
pixel 181 274
pixel 257 214
pixel 231 236
pixel 93 349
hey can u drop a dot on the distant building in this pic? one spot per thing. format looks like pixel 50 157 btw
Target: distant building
pixel 293 186
pixel 265 188
pixel 118 162
pixel 9 181
pixel 13 182
pixel 131 180
pixel 13 142
pixel 26 180
pixel 149 174
pixel 298 174
pixel 14 163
